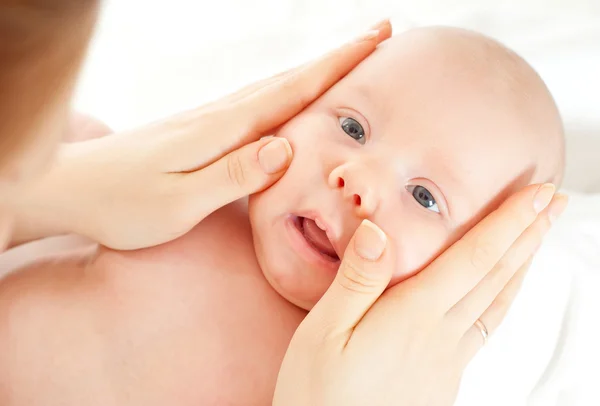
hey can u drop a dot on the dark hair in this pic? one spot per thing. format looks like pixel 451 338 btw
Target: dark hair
pixel 42 44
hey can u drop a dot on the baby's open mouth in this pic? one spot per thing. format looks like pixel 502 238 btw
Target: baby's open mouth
pixel 316 238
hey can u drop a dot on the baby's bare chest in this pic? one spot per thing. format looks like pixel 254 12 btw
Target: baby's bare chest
pixel 200 325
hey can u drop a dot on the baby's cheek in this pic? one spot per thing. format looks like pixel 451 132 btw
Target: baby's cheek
pixel 292 128
pixel 414 253
pixel 307 130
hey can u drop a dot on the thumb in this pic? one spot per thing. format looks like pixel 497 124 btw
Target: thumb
pixel 365 272
pixel 247 170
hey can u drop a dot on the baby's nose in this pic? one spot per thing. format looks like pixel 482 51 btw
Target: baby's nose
pixel 356 189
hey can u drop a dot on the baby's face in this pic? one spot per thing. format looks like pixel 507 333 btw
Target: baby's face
pixel 409 141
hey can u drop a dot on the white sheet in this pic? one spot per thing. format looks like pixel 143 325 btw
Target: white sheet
pixel 547 352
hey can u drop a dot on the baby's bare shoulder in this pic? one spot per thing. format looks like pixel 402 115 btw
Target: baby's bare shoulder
pixel 45 316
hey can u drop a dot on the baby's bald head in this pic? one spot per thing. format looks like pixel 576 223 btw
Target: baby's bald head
pixel 507 82
pixel 425 137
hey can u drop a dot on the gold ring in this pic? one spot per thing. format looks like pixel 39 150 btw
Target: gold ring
pixel 483 330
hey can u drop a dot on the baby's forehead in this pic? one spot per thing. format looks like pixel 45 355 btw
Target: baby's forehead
pixel 417 88
pixel 444 59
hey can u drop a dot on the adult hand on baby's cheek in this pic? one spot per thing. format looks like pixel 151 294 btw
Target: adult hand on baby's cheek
pixel 127 199
pixel 247 170
pixel 411 345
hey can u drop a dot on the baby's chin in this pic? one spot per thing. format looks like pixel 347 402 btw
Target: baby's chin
pixel 299 299
pixel 292 284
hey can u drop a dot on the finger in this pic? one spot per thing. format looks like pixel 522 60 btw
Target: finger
pixel 467 310
pixel 460 268
pixel 262 108
pixel 278 102
pixel 365 272
pixel 383 27
pixel 247 170
pixel 473 340
pixel 248 90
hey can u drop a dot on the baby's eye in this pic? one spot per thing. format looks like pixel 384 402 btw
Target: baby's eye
pixel 424 198
pixel 353 129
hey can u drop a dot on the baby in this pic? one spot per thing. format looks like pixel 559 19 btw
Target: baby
pixel 424 138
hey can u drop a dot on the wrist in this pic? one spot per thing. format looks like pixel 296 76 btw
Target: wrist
pixel 42 209
pixel 33 222
pixel 30 226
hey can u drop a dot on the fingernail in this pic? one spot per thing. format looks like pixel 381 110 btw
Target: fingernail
pixel 557 207
pixel 367 36
pixel 543 197
pixel 369 241
pixel 275 156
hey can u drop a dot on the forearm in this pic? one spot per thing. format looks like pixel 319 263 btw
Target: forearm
pixel 32 223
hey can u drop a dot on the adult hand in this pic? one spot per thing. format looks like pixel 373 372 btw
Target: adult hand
pixel 410 346
pixel 154 184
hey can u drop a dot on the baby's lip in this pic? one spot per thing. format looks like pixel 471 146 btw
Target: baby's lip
pixel 330 231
